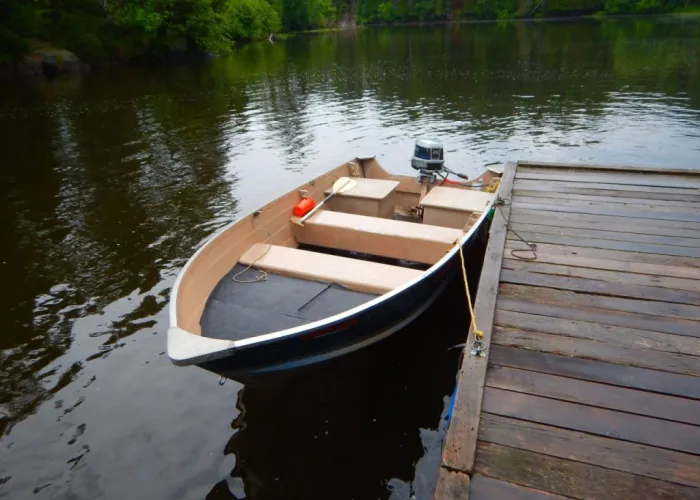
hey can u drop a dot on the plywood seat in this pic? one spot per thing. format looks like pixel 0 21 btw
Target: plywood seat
pixel 371 197
pixel 452 207
pixel 354 274
pixel 375 236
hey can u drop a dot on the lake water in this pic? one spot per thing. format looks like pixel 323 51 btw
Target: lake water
pixel 108 183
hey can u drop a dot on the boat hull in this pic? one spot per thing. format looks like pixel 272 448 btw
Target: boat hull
pixel 255 363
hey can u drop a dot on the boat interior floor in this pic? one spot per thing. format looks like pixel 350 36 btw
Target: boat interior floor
pixel 235 311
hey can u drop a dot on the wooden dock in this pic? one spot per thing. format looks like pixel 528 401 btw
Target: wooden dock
pixel 590 387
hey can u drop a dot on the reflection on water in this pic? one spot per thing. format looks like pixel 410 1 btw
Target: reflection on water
pixel 109 182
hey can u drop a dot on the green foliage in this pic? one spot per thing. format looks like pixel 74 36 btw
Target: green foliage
pixel 99 30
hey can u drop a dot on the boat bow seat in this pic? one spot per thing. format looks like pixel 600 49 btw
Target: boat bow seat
pixel 376 236
pixel 358 275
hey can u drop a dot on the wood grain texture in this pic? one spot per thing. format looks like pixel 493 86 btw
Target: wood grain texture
pixel 609 276
pixel 643 460
pixel 665 193
pixel 614 318
pixel 691 218
pixel 626 246
pixel 595 196
pixel 594 394
pixel 539 166
pixel 650 308
pixel 451 485
pixel 601 351
pixel 573 479
pixel 486 488
pixel 615 335
pixel 627 179
pixel 460 443
pixel 614 235
pixel 597 371
pixel 640 263
pixel 609 203
pixel 599 421
pixel 606 223
pixel 578 284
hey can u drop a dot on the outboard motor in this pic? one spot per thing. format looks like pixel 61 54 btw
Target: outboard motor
pixel 429 160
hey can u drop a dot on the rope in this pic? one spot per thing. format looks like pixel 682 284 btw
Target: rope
pixel 263 275
pixel 478 346
pixel 531 247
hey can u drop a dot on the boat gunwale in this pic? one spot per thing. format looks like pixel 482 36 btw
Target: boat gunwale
pixel 219 348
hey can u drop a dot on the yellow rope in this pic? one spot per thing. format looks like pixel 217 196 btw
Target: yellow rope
pixel 478 334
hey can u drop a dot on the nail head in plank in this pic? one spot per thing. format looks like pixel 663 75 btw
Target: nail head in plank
pixel 460 443
pixel 643 460
pixel 574 479
pixel 594 394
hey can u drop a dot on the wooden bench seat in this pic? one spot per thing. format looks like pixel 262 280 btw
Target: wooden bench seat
pixel 354 274
pixel 375 236
pixel 452 207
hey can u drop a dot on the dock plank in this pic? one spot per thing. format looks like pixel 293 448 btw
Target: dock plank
pixel 589 300
pixel 617 335
pixel 614 318
pixel 601 351
pixel 573 479
pixel 612 212
pixel 452 485
pixel 610 276
pixel 579 284
pixel 460 442
pixel 627 179
pixel 612 260
pixel 595 394
pixel 597 371
pixel 606 223
pixel 596 196
pixel 486 488
pixel 616 454
pixel 666 193
pixel 607 235
pixel 608 244
pixel 619 204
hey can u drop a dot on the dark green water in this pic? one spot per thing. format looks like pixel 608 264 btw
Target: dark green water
pixel 109 182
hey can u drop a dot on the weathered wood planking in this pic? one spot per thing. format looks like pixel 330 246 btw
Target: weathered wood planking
pixel 573 479
pixel 616 335
pixel 589 300
pixel 601 351
pixel 597 371
pixel 451 485
pixel 643 460
pixel 486 488
pixel 615 318
pixel 593 381
pixel 651 192
pixel 608 244
pixel 612 212
pixel 460 443
pixel 595 394
pixel 539 166
pixel 616 276
pixel 596 196
pixel 658 265
pixel 615 235
pixel 606 223
pixel 627 179
pixel 577 284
